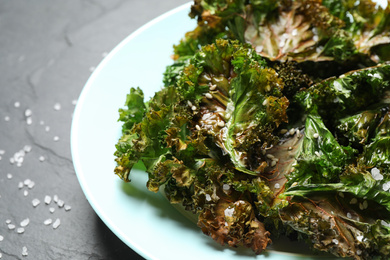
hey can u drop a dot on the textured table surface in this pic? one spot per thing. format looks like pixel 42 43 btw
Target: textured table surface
pixel 48 49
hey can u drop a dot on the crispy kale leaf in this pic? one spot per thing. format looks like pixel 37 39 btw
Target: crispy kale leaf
pixel 203 138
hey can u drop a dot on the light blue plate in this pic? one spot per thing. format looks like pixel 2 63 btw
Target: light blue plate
pixel 143 220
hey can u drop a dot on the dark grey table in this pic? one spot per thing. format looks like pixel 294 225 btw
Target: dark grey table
pixel 48 49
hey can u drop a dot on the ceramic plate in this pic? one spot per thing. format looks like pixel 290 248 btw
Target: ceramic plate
pixel 143 220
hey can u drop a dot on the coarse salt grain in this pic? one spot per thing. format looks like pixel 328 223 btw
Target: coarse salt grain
pixel 8 221
pixel 226 186
pixel 20 185
pixel 48 221
pixel 57 106
pixel 27 148
pixel 7 118
pixel 56 138
pixel 74 102
pixel 67 207
pixel 25 222
pixel 47 128
pixel 31 185
pixel 60 203
pixel 277 185
pixel 55 198
pixel 17 104
pixel 208 95
pixel 25 193
pixel 56 223
pixel 47 199
pixel 316 135
pixel 1 238
pixel 24 251
pixel 41 158
pixel 28 112
pixel 52 210
pixel 9 175
pixel 29 120
pixel 2 152
pixel 386 186
pixel 11 226
pixel 376 174
pixel 229 212
pixel 27 182
pixel 20 230
pixel 35 202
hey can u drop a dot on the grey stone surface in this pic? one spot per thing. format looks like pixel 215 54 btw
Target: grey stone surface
pixel 48 49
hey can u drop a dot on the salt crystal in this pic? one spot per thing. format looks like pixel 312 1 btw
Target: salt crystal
pixel 31 185
pixel 335 241
pixel 386 186
pixel 229 212
pixel 47 128
pixel 360 238
pixel 41 158
pixel 2 152
pixel 349 215
pixel 28 112
pixel 1 255
pixel 56 223
pixel 52 210
pixel 35 202
pixel 47 199
pixel 1 238
pixel 6 118
pixel 25 193
pixel 41 122
pixel 57 106
pixel 47 221
pixel 56 138
pixel 27 182
pixel 27 148
pixel 60 203
pixel 25 222
pixel 17 104
pixel 55 198
pixel 74 102
pixel 376 174
pixel 24 251
pixel 67 207
pixel 277 185
pixel 20 185
pixel 8 221
pixel 208 197
pixel 9 175
pixel 20 230
pixel 226 186
pixel 11 226
pixel 29 120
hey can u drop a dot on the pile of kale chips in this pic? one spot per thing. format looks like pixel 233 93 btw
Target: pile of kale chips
pixel 274 118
